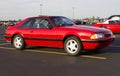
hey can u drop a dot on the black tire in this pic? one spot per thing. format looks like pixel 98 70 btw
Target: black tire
pixel 73 46
pixel 18 42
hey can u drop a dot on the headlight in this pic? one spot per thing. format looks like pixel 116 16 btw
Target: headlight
pixel 97 36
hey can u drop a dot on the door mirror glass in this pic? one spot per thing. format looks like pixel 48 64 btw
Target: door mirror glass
pixel 50 26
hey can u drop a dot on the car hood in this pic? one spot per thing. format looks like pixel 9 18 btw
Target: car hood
pixel 87 28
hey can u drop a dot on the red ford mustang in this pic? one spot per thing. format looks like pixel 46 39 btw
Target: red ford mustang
pixel 57 31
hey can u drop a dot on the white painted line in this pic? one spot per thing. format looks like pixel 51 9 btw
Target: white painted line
pixel 7 48
pixel 85 56
pixel 49 52
pixel 95 57
pixel 5 43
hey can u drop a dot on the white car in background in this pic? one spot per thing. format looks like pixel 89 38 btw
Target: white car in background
pixel 112 19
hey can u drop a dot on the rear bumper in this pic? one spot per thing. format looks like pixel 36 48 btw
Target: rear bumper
pixel 97 44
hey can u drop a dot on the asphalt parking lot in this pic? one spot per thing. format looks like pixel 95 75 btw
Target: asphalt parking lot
pixel 42 61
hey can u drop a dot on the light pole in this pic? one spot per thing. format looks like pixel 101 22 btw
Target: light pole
pixel 41 9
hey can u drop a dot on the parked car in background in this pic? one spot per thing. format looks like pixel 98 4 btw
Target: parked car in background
pixel 59 32
pixel 9 22
pixel 80 22
pixel 113 24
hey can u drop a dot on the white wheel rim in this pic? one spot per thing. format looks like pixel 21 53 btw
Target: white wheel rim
pixel 18 42
pixel 72 46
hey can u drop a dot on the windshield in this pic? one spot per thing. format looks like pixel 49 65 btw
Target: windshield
pixel 62 21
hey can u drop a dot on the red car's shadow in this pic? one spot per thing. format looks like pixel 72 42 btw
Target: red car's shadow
pixel 109 49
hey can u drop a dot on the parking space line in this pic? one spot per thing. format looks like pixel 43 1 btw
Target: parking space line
pixel 49 52
pixel 7 48
pixel 5 43
pixel 95 57
pixel 85 56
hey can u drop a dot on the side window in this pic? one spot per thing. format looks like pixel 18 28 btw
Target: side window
pixel 111 22
pixel 58 21
pixel 27 24
pixel 40 23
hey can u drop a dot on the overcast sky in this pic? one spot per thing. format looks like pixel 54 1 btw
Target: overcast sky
pixel 19 9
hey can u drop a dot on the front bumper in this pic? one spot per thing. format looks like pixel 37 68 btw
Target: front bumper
pixel 97 44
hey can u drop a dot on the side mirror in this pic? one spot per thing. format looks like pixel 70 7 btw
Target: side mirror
pixel 50 26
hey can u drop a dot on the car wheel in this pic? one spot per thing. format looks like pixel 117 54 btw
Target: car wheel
pixel 18 42
pixel 73 46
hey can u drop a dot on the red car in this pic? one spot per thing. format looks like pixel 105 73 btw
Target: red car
pixel 57 31
pixel 113 25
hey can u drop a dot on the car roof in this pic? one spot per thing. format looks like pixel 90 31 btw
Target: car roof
pixel 44 16
pixel 114 16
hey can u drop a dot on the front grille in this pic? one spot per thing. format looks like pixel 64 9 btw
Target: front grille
pixel 107 35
